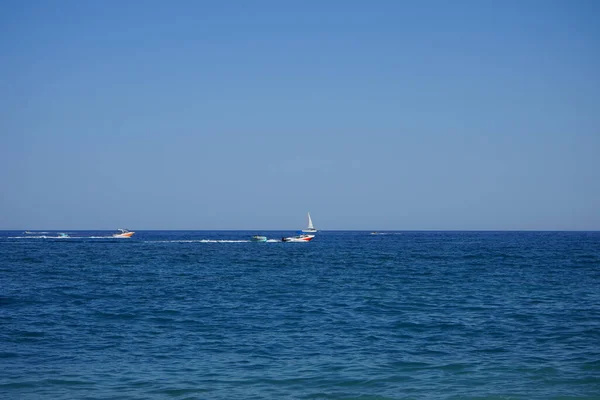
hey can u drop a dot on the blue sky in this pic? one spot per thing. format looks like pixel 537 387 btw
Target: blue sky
pixel 407 115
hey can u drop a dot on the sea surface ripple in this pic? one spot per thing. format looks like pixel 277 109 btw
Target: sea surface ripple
pixel 350 315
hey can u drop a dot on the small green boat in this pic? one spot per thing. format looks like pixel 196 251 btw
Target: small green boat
pixel 258 238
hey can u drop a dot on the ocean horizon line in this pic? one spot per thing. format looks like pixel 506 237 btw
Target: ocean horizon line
pixel 298 229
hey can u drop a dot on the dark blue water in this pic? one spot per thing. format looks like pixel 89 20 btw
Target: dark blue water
pixel 210 315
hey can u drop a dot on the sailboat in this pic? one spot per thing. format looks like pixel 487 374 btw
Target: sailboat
pixel 311 228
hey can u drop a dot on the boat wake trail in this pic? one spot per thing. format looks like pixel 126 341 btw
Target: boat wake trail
pixel 198 241
pixel 59 237
pixel 95 237
pixel 210 241
pixel 38 237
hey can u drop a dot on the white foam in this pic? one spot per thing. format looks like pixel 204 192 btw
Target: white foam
pixel 209 241
pixel 37 237
pixel 198 241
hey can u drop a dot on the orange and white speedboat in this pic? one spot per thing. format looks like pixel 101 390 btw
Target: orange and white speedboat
pixel 124 234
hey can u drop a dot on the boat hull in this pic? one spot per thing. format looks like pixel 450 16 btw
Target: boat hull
pixel 259 238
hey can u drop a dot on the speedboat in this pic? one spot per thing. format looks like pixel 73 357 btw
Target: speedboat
pixel 258 238
pixel 298 238
pixel 124 234
pixel 63 235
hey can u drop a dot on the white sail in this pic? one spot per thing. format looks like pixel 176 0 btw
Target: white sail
pixel 310 228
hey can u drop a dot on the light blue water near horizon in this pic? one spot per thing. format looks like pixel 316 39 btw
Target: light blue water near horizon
pixel 350 315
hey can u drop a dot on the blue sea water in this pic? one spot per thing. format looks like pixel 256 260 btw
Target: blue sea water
pixel 350 315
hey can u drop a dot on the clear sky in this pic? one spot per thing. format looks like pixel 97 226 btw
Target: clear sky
pixel 374 115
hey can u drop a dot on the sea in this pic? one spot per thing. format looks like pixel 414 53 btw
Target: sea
pixel 349 315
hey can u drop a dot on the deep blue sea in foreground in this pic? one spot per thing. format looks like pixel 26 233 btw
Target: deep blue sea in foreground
pixel 350 315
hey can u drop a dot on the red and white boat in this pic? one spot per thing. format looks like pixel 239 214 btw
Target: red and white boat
pixel 298 238
pixel 124 234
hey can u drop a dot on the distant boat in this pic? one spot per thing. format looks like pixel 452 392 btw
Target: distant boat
pixel 311 228
pixel 63 235
pixel 298 238
pixel 124 234
pixel 258 238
